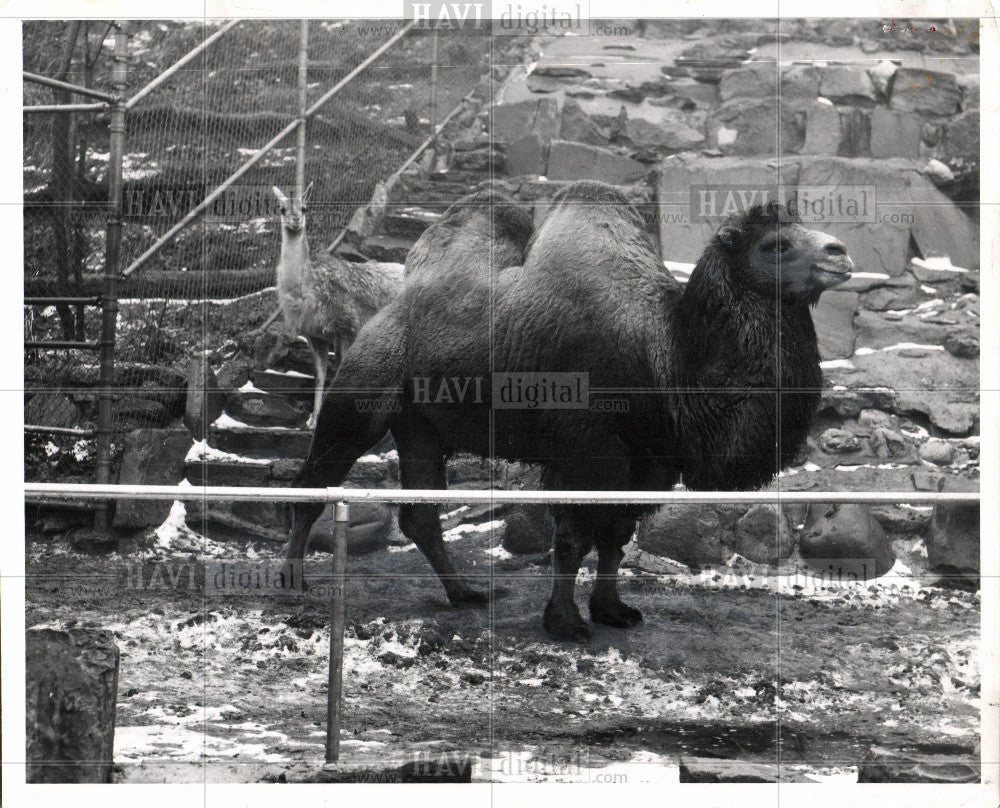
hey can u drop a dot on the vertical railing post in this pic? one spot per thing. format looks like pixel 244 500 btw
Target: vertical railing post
pixel 112 269
pixel 300 162
pixel 335 680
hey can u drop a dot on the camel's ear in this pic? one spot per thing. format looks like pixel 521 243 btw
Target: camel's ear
pixel 730 236
pixel 305 194
pixel 277 192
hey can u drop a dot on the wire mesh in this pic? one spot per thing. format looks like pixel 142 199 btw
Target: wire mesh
pixel 211 285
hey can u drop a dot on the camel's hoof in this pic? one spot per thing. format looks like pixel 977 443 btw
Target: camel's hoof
pixel 562 624
pixel 292 578
pixel 614 613
pixel 466 597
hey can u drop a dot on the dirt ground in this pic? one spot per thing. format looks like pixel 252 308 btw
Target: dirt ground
pixel 228 683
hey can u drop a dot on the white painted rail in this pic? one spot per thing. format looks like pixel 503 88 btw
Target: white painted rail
pixel 50 491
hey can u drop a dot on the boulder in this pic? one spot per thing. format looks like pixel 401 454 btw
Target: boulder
pixel 939 227
pixel 846 84
pixel 960 137
pixel 671 133
pixel 953 541
pixel 938 173
pixel 799 86
pixel 763 535
pixel 528 530
pixel 526 157
pixel 47 409
pixel 696 536
pixel 685 89
pixel 576 125
pixel 579 161
pixel 755 127
pixel 371 528
pixel 875 246
pixel 822 128
pixel 856 133
pixel 969 82
pixel 754 80
pixel 510 122
pixel 833 318
pixel 716 770
pixel 263 409
pixel 150 457
pixel 895 134
pixel 963 342
pixel 686 186
pixel 839 441
pixel 205 400
pixel 884 765
pixel 937 451
pixel 848 538
pixel 929 92
pixel 881 76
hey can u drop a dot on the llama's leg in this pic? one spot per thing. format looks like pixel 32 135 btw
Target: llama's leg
pixel 562 618
pixel 320 352
pixel 606 606
pixel 422 465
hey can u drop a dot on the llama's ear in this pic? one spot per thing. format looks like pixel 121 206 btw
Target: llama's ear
pixel 729 236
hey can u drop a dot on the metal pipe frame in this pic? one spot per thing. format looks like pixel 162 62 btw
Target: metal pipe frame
pixel 89 92
pixel 37 108
pixel 486 496
pixel 260 155
pixel 187 57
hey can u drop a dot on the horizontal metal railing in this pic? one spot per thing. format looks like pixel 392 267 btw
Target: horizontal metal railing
pixel 486 496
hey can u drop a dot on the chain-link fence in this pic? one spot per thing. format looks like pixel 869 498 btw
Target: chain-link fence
pixel 203 289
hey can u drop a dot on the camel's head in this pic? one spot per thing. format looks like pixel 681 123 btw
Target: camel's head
pixel 292 211
pixel 771 251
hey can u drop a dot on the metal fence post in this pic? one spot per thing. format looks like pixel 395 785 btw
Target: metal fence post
pixel 109 292
pixel 300 163
pixel 335 680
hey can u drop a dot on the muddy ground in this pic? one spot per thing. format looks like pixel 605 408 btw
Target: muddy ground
pixel 229 684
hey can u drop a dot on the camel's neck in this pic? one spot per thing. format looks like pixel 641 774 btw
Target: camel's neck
pixel 294 261
pixel 746 338
pixel 748 371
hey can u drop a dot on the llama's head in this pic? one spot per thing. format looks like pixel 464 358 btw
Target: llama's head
pixel 292 211
pixel 771 251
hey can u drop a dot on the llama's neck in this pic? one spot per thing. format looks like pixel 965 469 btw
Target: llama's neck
pixel 294 263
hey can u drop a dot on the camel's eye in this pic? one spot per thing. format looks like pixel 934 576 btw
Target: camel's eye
pixel 776 245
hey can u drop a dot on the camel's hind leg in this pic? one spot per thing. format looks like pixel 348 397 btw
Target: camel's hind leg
pixel 572 540
pixel 422 465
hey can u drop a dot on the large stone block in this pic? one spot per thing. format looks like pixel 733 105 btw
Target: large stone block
pixel 579 161
pixel 755 127
pixel 895 134
pixel 799 86
pixel 754 80
pixel 875 246
pixel 691 196
pixel 822 129
pixel 939 227
pixel 150 457
pixel 961 136
pixel 846 84
pixel 833 317
pixel 526 157
pixel 510 122
pixel 578 126
pixel 848 539
pixel 929 92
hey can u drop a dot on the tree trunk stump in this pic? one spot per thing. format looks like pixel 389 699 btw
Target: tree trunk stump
pixel 72 684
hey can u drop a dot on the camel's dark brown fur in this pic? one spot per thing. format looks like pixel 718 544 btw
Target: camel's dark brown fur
pixel 718 381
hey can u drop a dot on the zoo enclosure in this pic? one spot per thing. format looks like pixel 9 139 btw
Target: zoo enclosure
pixel 342 497
pixel 149 221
